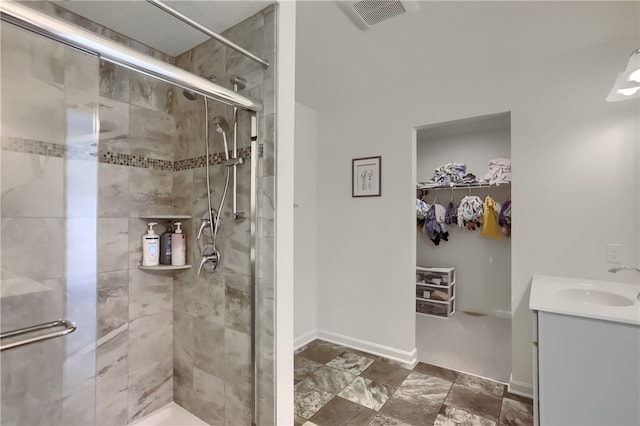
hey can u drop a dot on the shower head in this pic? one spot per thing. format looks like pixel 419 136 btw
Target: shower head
pixel 192 95
pixel 221 125
pixel 189 95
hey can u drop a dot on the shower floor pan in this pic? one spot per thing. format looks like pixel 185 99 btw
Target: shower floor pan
pixel 170 415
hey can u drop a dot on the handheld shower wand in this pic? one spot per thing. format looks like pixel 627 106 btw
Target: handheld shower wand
pixel 222 127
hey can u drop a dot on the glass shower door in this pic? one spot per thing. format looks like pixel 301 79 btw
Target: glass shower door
pixel 49 101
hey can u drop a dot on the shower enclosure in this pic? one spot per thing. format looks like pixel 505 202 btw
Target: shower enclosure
pixel 92 152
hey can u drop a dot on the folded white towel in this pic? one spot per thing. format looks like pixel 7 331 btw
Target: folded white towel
pixel 499 171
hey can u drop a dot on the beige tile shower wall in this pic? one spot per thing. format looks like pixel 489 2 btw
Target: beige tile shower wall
pixel 134 347
pixel 212 312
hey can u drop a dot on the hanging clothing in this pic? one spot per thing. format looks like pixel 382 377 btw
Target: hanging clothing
pixel 504 218
pixel 441 214
pixel 431 227
pixel 434 225
pixel 422 209
pixel 490 226
pixel 451 215
pixel 421 193
pixel 470 212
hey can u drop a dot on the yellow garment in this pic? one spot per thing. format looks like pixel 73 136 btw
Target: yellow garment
pixel 490 220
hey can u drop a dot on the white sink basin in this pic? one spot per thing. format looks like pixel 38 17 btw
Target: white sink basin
pixel 594 297
pixel 605 300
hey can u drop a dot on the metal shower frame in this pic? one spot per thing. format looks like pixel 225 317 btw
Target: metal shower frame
pixel 93 44
pixel 184 18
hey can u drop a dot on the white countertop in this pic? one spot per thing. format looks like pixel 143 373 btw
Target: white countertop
pixel 545 291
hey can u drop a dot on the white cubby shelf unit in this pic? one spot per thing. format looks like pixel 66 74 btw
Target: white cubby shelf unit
pixel 435 291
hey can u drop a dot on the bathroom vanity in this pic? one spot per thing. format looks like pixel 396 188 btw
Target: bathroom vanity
pixel 586 352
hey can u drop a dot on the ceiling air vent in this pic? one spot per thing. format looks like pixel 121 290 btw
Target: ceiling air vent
pixel 366 13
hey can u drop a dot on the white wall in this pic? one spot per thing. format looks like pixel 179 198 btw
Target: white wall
pixel 575 171
pixel 285 118
pixel 305 225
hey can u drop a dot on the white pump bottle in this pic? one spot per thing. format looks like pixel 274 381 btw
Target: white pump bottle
pixel 178 246
pixel 151 247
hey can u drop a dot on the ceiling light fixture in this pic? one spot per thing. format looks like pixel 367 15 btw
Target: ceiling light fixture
pixel 627 85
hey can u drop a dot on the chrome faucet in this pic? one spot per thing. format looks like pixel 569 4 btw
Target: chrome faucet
pixel 628 268
pixel 623 267
pixel 210 259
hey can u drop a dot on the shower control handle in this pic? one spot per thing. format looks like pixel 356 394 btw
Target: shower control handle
pixel 205 223
pixel 213 259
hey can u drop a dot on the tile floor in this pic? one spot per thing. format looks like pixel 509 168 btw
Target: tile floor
pixel 339 386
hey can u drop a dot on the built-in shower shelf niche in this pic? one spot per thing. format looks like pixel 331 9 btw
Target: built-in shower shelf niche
pixel 165 217
pixel 164 267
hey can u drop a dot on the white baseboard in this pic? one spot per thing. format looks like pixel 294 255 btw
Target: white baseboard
pixel 305 339
pixel 520 388
pixel 410 359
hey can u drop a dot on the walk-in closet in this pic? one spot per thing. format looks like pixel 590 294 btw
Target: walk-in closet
pixel 463 249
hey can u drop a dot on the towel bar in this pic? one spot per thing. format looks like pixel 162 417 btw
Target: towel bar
pixel 69 327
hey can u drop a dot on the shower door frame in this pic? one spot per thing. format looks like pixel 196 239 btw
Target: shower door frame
pixel 90 43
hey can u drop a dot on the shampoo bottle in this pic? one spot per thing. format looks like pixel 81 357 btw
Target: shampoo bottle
pixel 165 246
pixel 178 246
pixel 150 247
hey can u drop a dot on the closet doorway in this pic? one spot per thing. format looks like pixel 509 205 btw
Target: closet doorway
pixel 467 325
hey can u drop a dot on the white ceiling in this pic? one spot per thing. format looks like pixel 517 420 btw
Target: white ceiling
pixel 338 63
pixel 149 25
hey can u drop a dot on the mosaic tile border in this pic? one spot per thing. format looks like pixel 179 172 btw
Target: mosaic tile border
pixel 48 149
pixel 70 152
pixel 214 159
pixel 27 146
pixel 119 159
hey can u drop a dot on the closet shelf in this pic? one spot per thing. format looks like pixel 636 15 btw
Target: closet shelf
pixel 464 186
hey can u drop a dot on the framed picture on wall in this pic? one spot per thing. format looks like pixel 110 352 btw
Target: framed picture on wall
pixel 366 177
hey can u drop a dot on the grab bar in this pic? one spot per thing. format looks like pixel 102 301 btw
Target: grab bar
pixel 69 327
